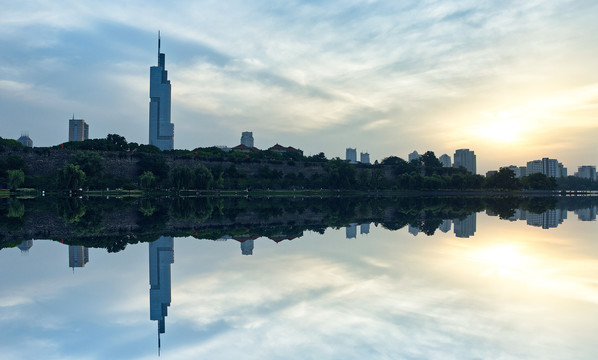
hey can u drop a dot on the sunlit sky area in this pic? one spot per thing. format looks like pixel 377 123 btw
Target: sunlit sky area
pixel 512 80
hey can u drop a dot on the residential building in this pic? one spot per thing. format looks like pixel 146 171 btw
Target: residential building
pixel 445 160
pixel 546 166
pixel 161 130
pixel 78 130
pixel 413 156
pixel 466 159
pixel 515 169
pixel 586 172
pixel 364 158
pixel 351 155
pixel 247 138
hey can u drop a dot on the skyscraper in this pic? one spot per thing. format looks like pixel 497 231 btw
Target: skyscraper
pixel 78 130
pixel 247 138
pixel 465 158
pixel 161 130
pixel 364 158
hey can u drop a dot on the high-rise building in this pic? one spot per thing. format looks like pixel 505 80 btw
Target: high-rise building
pixel 465 158
pixel 364 158
pixel 351 155
pixel 78 130
pixel 161 130
pixel 586 172
pixel 25 140
pixel 413 156
pixel 546 166
pixel 161 256
pixel 445 160
pixel 247 138
pixel 515 169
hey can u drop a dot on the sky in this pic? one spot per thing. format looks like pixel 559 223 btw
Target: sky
pixel 512 80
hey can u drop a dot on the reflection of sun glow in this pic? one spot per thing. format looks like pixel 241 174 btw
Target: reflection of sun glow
pixel 506 258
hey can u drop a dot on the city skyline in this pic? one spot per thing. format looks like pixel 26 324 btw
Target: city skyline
pixel 510 81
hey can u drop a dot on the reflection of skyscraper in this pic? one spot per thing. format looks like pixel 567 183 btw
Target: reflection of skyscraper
pixel 161 130
pixel 445 226
pixel 364 228
pixel 466 227
pixel 247 247
pixel 78 256
pixel 161 255
pixel 351 231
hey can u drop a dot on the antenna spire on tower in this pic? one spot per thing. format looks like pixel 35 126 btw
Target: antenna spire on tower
pixel 158 41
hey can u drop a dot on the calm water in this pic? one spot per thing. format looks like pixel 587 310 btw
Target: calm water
pixel 485 289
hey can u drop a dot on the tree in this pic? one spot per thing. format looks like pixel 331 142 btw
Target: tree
pixel 118 142
pixel 91 163
pixel 181 177
pixel 539 181
pixel 16 178
pixel 148 180
pixel 203 178
pixel 70 177
pixel 428 159
pixel 503 179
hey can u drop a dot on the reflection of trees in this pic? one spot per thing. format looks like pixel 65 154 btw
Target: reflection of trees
pixel 16 209
pixel 146 207
pixel 70 209
pixel 91 223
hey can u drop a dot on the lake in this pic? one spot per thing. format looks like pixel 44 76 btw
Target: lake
pixel 300 279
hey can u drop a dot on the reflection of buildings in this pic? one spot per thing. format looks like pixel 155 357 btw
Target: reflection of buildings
pixel 351 231
pixel 161 255
pixel 445 226
pixel 466 227
pixel 413 230
pixel 25 246
pixel 547 219
pixel 588 214
pixel 78 256
pixel 247 247
pixel 364 228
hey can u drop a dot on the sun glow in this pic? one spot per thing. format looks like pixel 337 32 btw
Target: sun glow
pixel 502 127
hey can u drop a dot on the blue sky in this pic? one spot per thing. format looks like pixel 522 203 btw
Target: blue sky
pixel 514 81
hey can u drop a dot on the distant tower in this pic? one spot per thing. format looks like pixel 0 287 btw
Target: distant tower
pixel 465 158
pixel 364 158
pixel 161 130
pixel 351 155
pixel 445 160
pixel 247 139
pixel 78 129
pixel 25 139
pixel 25 246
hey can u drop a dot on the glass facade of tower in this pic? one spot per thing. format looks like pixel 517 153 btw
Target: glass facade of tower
pixel 161 130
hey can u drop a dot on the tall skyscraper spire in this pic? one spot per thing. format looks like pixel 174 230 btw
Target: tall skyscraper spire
pixel 161 129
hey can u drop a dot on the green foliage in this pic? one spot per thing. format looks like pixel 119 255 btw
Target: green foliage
pixel 70 177
pixel 156 163
pixel 16 178
pixel 341 174
pixel 429 160
pixel 16 209
pixel 538 181
pixel 503 179
pixel 576 183
pixel 147 180
pixel 91 163
pixel 181 177
pixel 202 177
